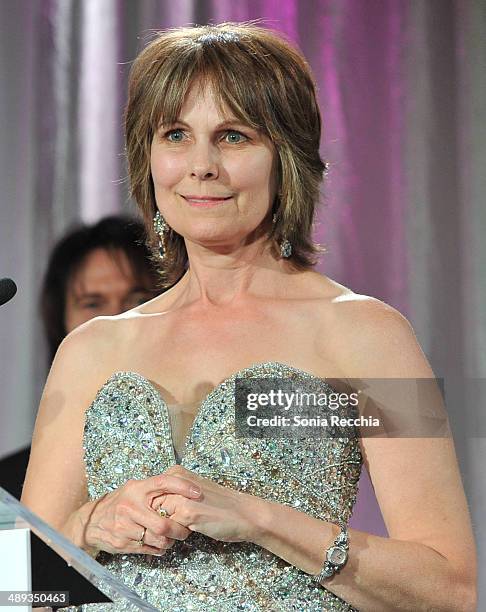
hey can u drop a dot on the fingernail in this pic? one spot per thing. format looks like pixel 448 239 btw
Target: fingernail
pixel 195 491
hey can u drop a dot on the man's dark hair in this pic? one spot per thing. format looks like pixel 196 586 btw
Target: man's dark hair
pixel 111 233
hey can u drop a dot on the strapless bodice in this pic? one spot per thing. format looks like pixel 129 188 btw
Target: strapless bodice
pixel 128 435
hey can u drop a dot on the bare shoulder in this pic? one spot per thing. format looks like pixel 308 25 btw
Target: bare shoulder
pixel 96 339
pixel 365 315
pixel 374 339
pixel 86 358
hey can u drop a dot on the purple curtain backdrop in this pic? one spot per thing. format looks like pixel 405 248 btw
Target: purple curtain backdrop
pixel 401 87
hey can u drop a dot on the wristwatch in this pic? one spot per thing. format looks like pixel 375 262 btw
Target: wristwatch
pixel 336 556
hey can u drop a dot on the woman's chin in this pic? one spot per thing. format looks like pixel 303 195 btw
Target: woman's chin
pixel 217 244
pixel 211 237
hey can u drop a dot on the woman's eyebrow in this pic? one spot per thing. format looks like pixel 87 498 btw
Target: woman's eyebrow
pixel 224 124
pixel 232 122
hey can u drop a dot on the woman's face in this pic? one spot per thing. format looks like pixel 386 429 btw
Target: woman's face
pixel 214 177
pixel 104 285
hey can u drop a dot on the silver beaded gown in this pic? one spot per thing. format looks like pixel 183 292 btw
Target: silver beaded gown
pixel 128 435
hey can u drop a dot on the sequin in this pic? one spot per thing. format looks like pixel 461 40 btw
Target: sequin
pixel 127 435
pixel 225 457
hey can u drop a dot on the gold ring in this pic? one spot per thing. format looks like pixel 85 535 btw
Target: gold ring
pixel 163 512
pixel 140 542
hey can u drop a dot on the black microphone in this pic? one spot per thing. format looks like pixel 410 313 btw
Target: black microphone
pixel 7 290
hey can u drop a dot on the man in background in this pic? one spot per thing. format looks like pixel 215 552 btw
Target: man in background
pixel 94 270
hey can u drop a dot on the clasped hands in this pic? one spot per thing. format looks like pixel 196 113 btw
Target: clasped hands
pixel 128 519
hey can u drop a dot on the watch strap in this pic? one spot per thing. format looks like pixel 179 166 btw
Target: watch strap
pixel 329 567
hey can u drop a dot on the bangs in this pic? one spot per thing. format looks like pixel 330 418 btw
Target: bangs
pixel 215 63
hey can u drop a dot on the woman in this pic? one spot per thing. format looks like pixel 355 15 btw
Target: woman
pixel 223 132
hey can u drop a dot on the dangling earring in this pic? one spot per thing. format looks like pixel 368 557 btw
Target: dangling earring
pixel 285 246
pixel 161 228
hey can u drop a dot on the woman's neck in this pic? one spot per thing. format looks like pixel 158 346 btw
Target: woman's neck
pixel 227 278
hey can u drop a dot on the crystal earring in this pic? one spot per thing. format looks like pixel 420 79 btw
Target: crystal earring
pixel 161 228
pixel 285 248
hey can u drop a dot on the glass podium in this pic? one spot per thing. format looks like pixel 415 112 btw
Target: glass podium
pixel 16 524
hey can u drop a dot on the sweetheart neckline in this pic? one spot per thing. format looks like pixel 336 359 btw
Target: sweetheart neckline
pixel 205 401
pixel 252 366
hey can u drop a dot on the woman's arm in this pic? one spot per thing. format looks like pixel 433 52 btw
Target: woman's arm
pixel 55 487
pixel 403 572
pixel 429 560
pixel 55 484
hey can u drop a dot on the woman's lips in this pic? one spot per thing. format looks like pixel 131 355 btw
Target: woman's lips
pixel 205 201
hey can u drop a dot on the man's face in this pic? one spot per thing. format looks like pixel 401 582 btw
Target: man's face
pixel 103 285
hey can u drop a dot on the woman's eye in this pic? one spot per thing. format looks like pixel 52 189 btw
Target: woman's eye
pixel 175 136
pixel 235 137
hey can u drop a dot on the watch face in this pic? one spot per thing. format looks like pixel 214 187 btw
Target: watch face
pixel 337 555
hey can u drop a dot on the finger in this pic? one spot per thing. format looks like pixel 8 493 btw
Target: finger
pixel 161 527
pixel 169 528
pixel 146 537
pixel 173 505
pixel 146 550
pixel 166 501
pixel 134 540
pixel 167 532
pixel 167 483
pixel 160 542
pixel 175 530
pixel 161 500
pixel 136 533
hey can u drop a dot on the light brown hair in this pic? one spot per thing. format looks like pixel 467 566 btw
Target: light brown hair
pixel 266 84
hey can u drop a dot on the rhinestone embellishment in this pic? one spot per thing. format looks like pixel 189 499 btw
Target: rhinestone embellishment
pixel 127 435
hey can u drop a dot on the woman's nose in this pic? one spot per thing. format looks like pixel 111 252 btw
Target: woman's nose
pixel 204 162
